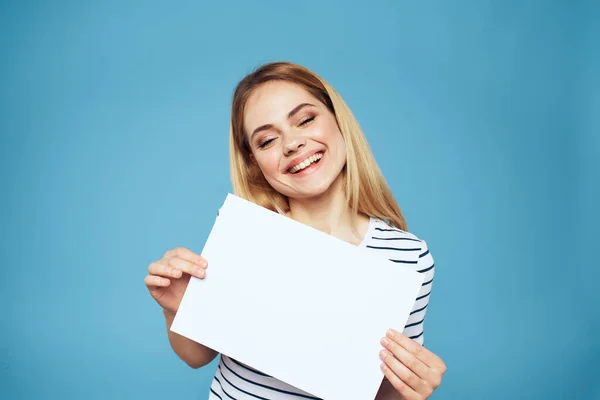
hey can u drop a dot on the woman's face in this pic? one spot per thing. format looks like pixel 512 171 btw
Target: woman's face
pixel 294 139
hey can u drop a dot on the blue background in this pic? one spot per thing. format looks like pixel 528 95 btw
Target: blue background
pixel 483 115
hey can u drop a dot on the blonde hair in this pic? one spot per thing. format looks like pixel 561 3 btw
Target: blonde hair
pixel 366 189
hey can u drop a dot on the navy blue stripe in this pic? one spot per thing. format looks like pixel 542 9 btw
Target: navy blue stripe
pixel 396 238
pixel 426 269
pixel 223 389
pixel 428 282
pixel 424 254
pixel 415 324
pixel 392 248
pixel 268 387
pixel 249 369
pixel 417 336
pixel 215 393
pixel 422 297
pixel 419 310
pixel 404 261
pixel 389 230
pixel 240 389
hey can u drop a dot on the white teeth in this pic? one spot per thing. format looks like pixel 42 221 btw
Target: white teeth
pixel 306 162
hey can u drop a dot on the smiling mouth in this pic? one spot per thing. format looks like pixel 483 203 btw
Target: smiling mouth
pixel 314 159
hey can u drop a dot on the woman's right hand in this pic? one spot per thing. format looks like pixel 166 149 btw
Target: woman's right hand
pixel 168 277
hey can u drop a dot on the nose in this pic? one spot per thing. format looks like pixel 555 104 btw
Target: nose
pixel 293 145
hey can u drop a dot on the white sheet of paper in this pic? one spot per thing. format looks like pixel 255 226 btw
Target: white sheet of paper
pixel 295 303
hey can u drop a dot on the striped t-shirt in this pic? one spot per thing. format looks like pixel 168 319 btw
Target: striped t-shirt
pixel 235 380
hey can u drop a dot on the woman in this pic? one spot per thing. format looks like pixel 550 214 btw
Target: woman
pixel 295 148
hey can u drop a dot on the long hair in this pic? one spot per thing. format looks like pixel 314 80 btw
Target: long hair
pixel 366 190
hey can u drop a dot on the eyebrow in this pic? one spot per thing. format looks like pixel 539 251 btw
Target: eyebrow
pixel 289 116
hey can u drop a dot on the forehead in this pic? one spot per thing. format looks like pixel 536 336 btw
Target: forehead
pixel 272 101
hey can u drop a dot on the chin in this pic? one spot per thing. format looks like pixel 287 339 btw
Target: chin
pixel 305 192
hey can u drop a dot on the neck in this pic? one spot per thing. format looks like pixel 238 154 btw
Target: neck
pixel 330 213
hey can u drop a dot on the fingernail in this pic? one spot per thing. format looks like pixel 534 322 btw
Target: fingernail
pixel 382 354
pixel 201 273
pixel 390 333
pixel 385 342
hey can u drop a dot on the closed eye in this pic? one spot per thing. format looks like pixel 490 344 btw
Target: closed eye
pixel 265 143
pixel 306 121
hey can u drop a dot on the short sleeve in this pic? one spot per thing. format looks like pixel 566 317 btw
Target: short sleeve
pixel 414 328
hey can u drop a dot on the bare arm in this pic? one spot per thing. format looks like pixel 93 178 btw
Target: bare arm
pixel 194 354
pixel 167 281
pixel 387 391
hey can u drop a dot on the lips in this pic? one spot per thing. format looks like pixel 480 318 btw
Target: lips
pixel 301 162
pixel 306 163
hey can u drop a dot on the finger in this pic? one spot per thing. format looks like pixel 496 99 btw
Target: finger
pixel 156 268
pixel 428 358
pixel 156 281
pixel 406 391
pixel 401 371
pixel 408 359
pixel 187 267
pixel 190 256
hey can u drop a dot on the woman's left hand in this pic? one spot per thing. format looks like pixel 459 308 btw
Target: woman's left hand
pixel 410 368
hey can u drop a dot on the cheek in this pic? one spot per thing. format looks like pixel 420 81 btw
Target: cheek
pixel 268 163
pixel 331 134
pixel 329 131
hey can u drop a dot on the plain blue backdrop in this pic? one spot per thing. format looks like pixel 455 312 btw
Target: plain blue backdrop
pixel 483 115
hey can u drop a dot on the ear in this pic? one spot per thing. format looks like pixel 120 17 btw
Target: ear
pixel 253 159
